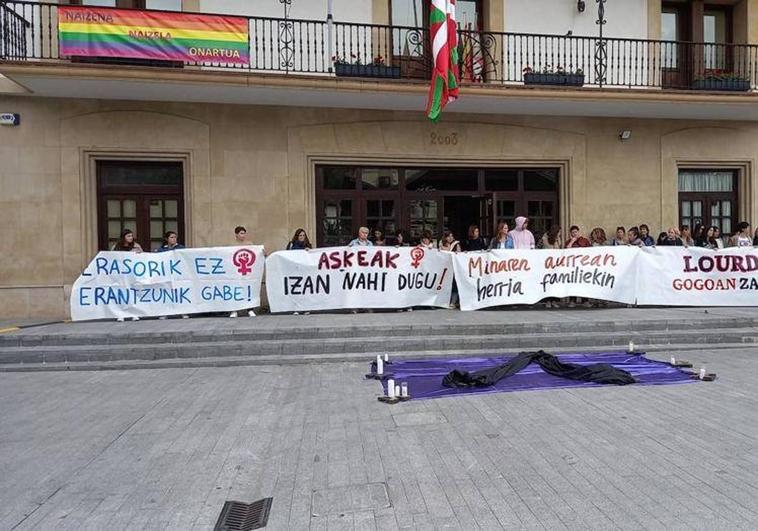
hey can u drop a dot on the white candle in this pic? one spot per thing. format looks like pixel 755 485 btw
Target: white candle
pixel 673 360
pixel 702 372
pixel 397 390
pixel 379 365
pixel 391 388
pixel 404 389
pixel 631 346
pixel 386 357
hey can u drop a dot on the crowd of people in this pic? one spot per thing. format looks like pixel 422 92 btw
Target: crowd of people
pixel 520 237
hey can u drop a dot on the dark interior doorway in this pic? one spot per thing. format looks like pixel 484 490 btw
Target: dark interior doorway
pixel 460 212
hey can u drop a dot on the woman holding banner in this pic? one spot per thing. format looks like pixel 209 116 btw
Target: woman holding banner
pixel 449 243
pixel 552 238
pixel 475 242
pixel 126 243
pixel 299 241
pixel 742 237
pixel 501 240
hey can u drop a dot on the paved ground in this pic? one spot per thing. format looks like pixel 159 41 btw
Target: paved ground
pixel 388 320
pixel 163 449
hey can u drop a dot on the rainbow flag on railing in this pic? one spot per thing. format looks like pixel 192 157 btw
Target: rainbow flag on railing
pixel 159 35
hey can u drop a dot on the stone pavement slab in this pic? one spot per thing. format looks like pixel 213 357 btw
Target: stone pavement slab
pixel 164 448
pixel 389 320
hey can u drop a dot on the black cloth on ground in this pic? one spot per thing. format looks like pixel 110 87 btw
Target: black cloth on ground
pixel 603 373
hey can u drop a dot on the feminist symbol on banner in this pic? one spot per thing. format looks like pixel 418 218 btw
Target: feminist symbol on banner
pixel 244 260
pixel 417 253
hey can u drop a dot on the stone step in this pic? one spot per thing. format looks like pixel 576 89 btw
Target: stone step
pixel 655 351
pixel 371 344
pixel 134 335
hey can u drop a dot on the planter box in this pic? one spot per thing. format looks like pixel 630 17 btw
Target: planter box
pixel 570 80
pixel 343 70
pixel 735 85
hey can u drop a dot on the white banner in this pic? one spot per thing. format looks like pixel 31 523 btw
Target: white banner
pixel 501 277
pixel 214 279
pixel 692 276
pixel 358 277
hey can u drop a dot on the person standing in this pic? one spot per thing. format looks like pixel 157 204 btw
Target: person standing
pixel 126 243
pixel 170 242
pixel 521 235
pixel 552 238
pixel 379 238
pixel 501 240
pixel 597 237
pixel 426 239
pixel 400 238
pixel 645 235
pixel 742 237
pixel 449 243
pixel 299 241
pixel 755 238
pixel 717 238
pixel 240 238
pixel 709 240
pixel 362 239
pixel 672 239
pixel 685 234
pixel 634 237
pixel 475 242
pixel 620 238
pixel 576 239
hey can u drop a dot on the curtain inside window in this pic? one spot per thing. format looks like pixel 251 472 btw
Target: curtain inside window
pixel 705 181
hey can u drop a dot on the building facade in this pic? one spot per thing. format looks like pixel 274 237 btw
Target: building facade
pixel 656 122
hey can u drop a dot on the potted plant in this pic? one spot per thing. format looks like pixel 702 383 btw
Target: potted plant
pixel 554 76
pixel 717 79
pixel 355 68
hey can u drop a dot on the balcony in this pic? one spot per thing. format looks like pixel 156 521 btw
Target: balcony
pixel 337 52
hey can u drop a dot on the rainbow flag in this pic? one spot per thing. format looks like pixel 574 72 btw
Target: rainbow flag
pixel 159 35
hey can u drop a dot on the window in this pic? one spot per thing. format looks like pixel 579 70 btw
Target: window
pixel 145 197
pixel 441 179
pixel 379 178
pixel 708 197
pixel 380 214
pixel 337 222
pixel 669 32
pixel 165 5
pixel 337 177
pixel 422 216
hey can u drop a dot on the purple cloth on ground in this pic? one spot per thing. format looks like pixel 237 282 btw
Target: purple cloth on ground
pixel 424 376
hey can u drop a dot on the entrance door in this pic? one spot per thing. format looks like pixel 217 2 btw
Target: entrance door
pixel 702 31
pixel 677 59
pixel 145 197
pixel 708 197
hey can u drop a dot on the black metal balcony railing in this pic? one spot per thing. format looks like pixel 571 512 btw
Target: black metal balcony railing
pixel 29 32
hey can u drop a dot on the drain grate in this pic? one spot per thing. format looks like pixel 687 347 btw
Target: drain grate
pixel 238 516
